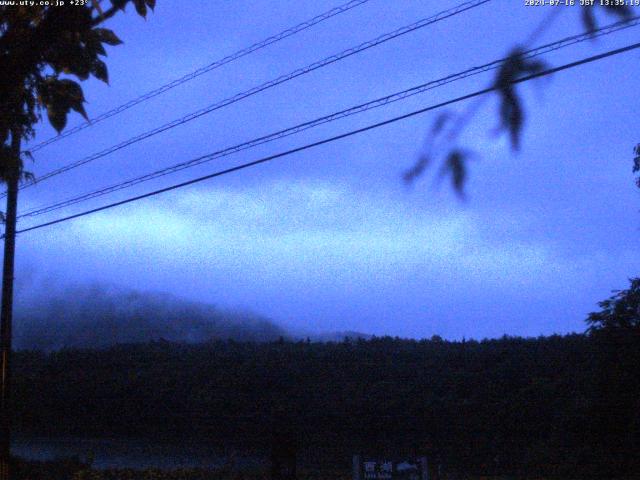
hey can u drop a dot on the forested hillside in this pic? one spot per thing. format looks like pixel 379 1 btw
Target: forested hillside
pixel 552 405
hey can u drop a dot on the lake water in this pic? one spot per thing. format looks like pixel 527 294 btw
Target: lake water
pixel 134 453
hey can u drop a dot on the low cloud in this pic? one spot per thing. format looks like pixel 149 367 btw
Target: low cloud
pixel 326 257
pixel 101 315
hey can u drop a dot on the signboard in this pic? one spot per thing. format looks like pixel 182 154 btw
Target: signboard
pixel 370 468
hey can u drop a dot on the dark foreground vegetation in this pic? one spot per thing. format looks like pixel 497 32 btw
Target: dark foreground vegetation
pixel 73 469
pixel 560 406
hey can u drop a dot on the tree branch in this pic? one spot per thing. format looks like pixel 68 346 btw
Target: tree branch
pixel 105 16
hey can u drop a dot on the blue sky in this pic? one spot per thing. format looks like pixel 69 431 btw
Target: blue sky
pixel 331 238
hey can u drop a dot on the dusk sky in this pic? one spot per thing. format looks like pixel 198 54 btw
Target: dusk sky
pixel 331 238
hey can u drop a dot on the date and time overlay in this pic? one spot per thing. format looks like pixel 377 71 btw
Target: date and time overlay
pixel 527 3
pixel 581 3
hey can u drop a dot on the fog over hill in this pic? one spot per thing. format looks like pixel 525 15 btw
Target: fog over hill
pixel 99 316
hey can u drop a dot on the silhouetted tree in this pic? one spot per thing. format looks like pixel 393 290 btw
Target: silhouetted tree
pixel 41 46
pixel 620 311
pixel 616 333
pixel 529 402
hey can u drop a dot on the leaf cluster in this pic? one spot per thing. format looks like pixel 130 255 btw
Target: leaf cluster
pixel 454 162
pixel 511 112
pixel 589 19
pixel 40 48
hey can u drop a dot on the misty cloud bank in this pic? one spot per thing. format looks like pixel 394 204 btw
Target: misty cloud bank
pixel 99 316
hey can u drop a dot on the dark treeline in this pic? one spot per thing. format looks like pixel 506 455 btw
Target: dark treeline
pixel 555 406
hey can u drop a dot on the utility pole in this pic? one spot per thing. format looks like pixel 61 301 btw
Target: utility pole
pixel 6 312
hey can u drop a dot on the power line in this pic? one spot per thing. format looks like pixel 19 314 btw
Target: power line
pixel 565 42
pixel 272 83
pixel 212 66
pixel 243 166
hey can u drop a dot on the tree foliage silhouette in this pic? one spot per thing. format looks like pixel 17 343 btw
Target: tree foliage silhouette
pixel 40 48
pixel 620 311
pixel 529 402
pixel 615 331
